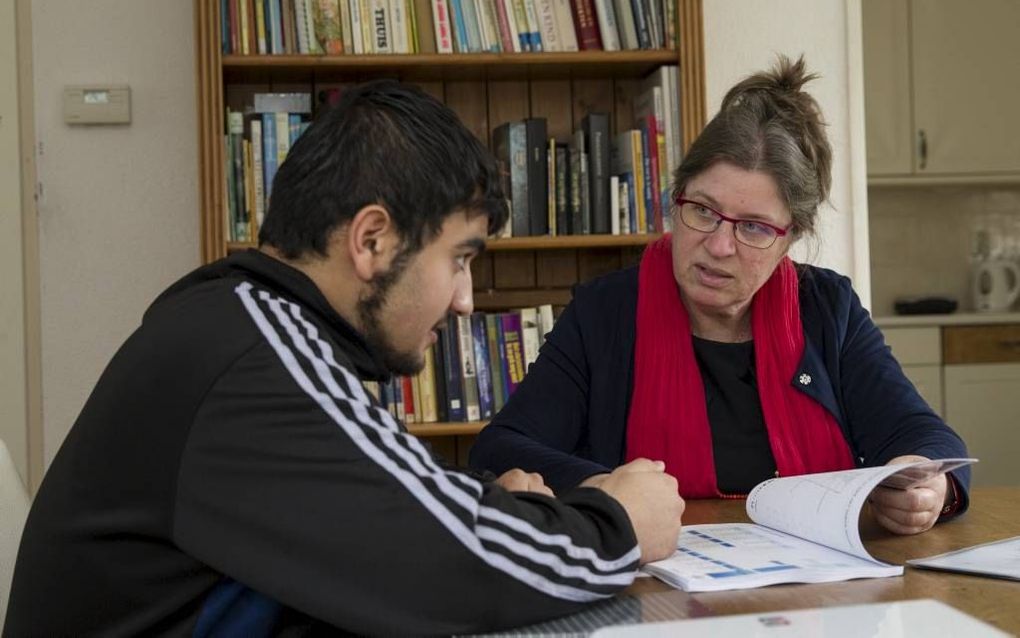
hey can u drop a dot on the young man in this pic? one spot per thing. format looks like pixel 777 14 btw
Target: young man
pixel 229 473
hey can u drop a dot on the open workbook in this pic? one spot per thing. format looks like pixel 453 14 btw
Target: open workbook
pixel 805 530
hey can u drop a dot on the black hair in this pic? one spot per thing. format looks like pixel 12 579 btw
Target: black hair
pixel 383 143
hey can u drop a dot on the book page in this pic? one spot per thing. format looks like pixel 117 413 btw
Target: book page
pixel 824 508
pixel 726 556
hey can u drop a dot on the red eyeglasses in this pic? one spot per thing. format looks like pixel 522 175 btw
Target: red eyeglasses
pixel 705 219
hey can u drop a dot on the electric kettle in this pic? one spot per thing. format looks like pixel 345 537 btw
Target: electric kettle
pixel 996 285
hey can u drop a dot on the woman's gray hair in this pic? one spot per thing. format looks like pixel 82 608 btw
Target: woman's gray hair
pixel 768 124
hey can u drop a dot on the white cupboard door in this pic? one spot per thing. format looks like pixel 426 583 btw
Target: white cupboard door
pixel 887 102
pixel 983 406
pixel 928 381
pixel 966 62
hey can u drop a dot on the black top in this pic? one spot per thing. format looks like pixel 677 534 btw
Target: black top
pixel 230 475
pixel 740 444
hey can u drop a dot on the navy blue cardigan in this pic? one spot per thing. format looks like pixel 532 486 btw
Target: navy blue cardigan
pixel 567 420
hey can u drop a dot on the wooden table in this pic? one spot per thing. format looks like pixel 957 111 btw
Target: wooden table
pixel 994 514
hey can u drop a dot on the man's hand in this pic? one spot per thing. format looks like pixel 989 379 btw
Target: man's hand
pixel 517 480
pixel 910 511
pixel 650 497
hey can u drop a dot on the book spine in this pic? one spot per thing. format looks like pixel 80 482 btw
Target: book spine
pixel 381 30
pixel 507 10
pixel 506 38
pixel 545 322
pixel 586 26
pixel 474 36
pixel 442 404
pixel 441 20
pixel 537 175
pixel 301 22
pixel 282 137
pixel 628 203
pixel 562 190
pixel 495 367
pixel 550 187
pixel 596 127
pixel 576 194
pixel 460 34
pixel 625 22
pixel 245 29
pixel 614 205
pixel 521 20
pixel 357 30
pixel 258 171
pixel 451 361
pixel 269 151
pixel 647 187
pixel 607 25
pixel 565 24
pixel 398 27
pixel 641 24
pixel 407 388
pixel 429 413
pixel 546 13
pixel 367 26
pixel 511 348
pixel 469 373
pixel 534 29
pixel 481 347
pixel 346 30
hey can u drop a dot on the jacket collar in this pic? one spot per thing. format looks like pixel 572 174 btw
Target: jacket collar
pixel 294 284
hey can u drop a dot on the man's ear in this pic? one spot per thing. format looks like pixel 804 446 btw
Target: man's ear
pixel 372 241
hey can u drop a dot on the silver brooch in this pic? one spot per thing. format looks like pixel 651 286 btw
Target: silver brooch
pixel 805 379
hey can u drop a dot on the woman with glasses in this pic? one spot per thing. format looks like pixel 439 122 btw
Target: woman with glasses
pixel 718 354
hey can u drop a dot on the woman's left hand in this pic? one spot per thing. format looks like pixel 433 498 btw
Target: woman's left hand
pixel 913 510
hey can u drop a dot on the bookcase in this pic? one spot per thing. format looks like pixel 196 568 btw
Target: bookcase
pixel 485 89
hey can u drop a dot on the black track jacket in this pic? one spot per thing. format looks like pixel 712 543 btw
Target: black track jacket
pixel 229 475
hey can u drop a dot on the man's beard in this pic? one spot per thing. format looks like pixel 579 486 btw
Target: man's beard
pixel 369 308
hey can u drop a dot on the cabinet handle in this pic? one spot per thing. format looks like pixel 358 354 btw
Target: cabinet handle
pixel 922 149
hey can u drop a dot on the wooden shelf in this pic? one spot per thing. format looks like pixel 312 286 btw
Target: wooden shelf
pixel 545 242
pixel 446 429
pixel 434 66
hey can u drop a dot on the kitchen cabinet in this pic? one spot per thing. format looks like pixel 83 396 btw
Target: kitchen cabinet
pixel 983 406
pixel 982 397
pixel 919 351
pixel 942 87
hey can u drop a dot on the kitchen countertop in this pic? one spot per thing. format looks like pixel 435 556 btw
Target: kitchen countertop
pixel 952 319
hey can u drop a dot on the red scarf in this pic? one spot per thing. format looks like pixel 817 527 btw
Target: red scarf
pixel 668 419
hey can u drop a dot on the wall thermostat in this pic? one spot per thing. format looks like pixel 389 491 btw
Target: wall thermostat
pixel 97 104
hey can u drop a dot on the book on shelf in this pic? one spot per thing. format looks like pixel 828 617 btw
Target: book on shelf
pixel 805 530
pixel 596 142
pixel 360 27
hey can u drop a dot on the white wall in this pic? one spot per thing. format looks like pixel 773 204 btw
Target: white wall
pixel 118 211
pixel 13 429
pixel 742 37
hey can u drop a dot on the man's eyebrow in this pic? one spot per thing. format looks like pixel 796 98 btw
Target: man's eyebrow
pixel 475 243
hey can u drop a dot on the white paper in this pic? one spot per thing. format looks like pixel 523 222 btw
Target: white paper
pixel 908 619
pixel 1000 558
